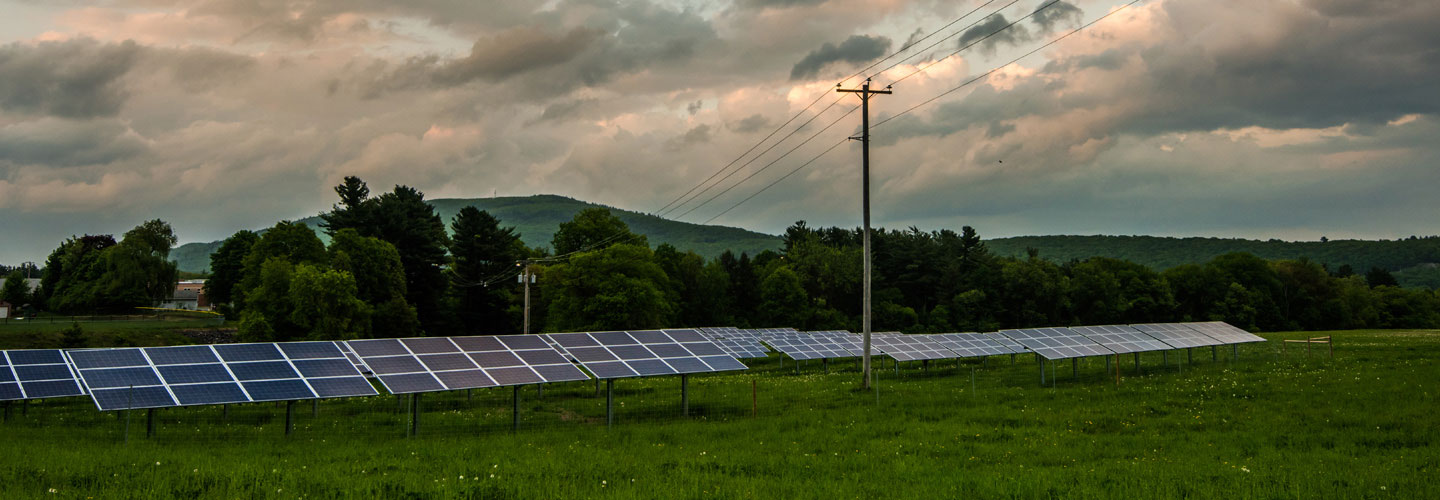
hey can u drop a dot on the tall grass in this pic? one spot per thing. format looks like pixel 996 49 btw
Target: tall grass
pixel 1360 426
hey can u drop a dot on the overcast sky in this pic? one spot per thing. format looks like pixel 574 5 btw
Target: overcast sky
pixel 1290 119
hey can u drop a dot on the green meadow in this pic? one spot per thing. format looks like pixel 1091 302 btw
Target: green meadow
pixel 1361 425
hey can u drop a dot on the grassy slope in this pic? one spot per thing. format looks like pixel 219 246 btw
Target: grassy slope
pixel 537 217
pixel 1360 426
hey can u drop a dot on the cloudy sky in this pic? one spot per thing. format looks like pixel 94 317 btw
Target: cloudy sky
pixel 1288 118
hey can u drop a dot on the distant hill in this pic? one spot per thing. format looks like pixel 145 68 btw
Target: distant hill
pixel 1413 260
pixel 537 217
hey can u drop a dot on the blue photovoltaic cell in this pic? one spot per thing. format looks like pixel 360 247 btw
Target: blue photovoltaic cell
pixel 430 345
pixel 312 368
pixel 517 375
pixel 120 377
pixel 651 337
pixel 36 357
pixel 278 390
pixel 668 350
pixel 649 367
pixel 443 362
pixel 126 398
pixel 610 369
pixel 387 365
pixel 465 379
pixel 208 394
pixel 341 386
pixel 6 375
pixel 411 382
pixel 181 355
pixel 10 391
pixel 496 359
pixel 631 352
pixel 689 365
pixel 613 338
pixel 107 358
pixel 523 342
pixel 591 354
pixel 542 357
pixel 25 373
pixel 194 374
pixel 561 373
pixel 263 370
pixel 378 347
pixel 723 363
pixel 248 352
pixel 52 389
pixel 310 350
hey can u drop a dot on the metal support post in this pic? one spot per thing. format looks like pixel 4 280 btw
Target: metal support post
pixel 825 363
pixel 314 408
pixel 1165 358
pixel 415 414
pixel 224 412
pixel 150 423
pixel 925 365
pixel 609 402
pixel 289 417
pixel 1074 367
pixel 1137 364
pixel 540 390
pixel 1042 371
pixel 597 387
pixel 1236 354
pixel 972 381
pixel 684 395
pixel 1213 355
pixel 515 411
pixel 1190 356
pixel 7 411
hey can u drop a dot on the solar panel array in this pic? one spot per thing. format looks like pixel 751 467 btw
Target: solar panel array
pixel 1057 343
pixel 157 377
pixel 1225 333
pixel 431 364
pixel 36 374
pixel 736 342
pixel 970 345
pixel 1177 335
pixel 1120 339
pixel 609 355
pixel 910 347
pixel 801 346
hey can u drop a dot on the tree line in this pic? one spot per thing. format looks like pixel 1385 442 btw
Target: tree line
pixel 392 270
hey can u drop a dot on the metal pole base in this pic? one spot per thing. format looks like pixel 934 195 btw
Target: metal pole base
pixel 150 423
pixel 289 417
pixel 609 402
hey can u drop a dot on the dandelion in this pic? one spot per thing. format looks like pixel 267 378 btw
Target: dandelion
pixel 53 490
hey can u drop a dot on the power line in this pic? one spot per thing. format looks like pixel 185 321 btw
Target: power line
pixel 1002 66
pixel 977 41
pixel 772 162
pixel 927 101
pixel 672 205
pixel 942 40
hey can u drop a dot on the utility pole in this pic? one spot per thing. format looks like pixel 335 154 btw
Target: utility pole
pixel 526 277
pixel 864 139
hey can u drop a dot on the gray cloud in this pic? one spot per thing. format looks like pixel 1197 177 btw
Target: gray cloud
pixel 750 124
pixel 67 143
pixel 993 32
pixel 72 79
pixel 1060 12
pixel 778 4
pixel 857 49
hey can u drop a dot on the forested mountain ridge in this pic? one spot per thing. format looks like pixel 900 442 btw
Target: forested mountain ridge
pixel 536 218
pixel 1413 259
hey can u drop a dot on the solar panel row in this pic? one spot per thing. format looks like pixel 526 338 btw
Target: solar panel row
pixel 157 377
pixel 609 355
pixel 430 364
pixel 36 374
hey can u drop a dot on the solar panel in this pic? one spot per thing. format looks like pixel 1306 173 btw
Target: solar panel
pixel 646 353
pixel 810 345
pixel 431 364
pixel 736 342
pixel 354 359
pixel 1005 342
pixel 1120 338
pixel 910 347
pixel 970 345
pixel 36 374
pixel 1224 332
pixel 1057 343
pixel 157 377
pixel 1176 335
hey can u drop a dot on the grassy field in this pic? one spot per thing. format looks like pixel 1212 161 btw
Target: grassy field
pixel 1363 425
pixel 46 332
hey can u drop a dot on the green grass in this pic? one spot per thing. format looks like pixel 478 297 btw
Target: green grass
pixel 1362 425
pixel 44 332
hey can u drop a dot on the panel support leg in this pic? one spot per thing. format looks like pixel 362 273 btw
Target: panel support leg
pixel 1165 358
pixel 609 402
pixel 1074 367
pixel 7 411
pixel 150 423
pixel 925 365
pixel 1213 355
pixel 1190 356
pixel 25 407
pixel 597 387
pixel 1236 354
pixel 314 408
pixel 684 395
pixel 540 390
pixel 1042 371
pixel 1137 363
pixel 825 363
pixel 289 417
pixel 515 411
pixel 224 412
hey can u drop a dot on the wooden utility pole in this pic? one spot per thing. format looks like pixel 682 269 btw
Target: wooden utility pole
pixel 526 277
pixel 865 93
